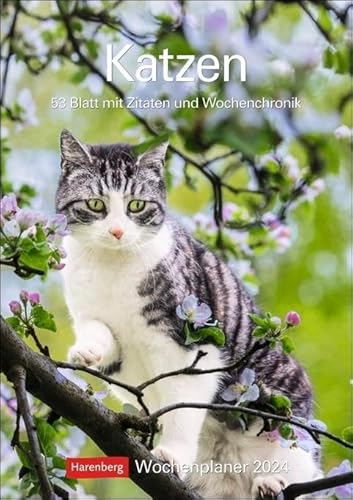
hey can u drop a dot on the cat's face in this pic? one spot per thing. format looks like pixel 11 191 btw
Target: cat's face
pixel 112 199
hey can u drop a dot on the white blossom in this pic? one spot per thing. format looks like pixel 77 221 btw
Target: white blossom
pixel 344 132
pixel 28 106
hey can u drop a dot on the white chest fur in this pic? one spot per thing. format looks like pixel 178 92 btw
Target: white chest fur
pixel 103 286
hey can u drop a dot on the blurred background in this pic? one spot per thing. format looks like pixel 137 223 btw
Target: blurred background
pixel 310 272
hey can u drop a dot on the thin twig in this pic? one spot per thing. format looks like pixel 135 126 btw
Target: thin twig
pixel 43 349
pixel 10 36
pixel 258 413
pixel 98 374
pixel 16 434
pixel 322 30
pixel 192 370
pixel 189 370
pixel 18 377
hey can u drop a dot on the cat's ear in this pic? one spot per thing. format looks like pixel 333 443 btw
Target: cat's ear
pixel 155 155
pixel 72 150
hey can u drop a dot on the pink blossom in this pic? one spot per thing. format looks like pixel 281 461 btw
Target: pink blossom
pixel 8 205
pixel 24 296
pixel 57 266
pixel 293 318
pixel 271 220
pixel 228 211
pixel 58 225
pixel 15 307
pixel 27 218
pixel 34 298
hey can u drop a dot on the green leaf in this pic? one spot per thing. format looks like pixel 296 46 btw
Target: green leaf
pixel 175 43
pixel 34 261
pixel 286 431
pixel 42 318
pixel 76 25
pixel 329 58
pixel 259 331
pixel 272 343
pixel 25 483
pixel 347 434
pixel 80 75
pixel 17 325
pixel 287 344
pixel 214 334
pixel 324 19
pixel 65 421
pixel 59 462
pixel 190 336
pixel 42 238
pixel 92 48
pixel 70 482
pixel 258 320
pixel 33 491
pixel 139 149
pixel 280 402
pixel 23 452
pixel 27 244
pixel 46 435
pixel 13 321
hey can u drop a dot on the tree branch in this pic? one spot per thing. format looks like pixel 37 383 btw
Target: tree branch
pixel 296 489
pixel 136 391
pixel 251 411
pixel 17 375
pixel 105 427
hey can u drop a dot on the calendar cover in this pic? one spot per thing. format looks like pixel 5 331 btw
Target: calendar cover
pixel 176 249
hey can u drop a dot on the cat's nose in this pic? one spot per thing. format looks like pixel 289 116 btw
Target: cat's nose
pixel 117 232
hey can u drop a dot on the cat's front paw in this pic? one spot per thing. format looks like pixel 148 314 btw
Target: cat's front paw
pixel 268 486
pixel 166 455
pixel 86 353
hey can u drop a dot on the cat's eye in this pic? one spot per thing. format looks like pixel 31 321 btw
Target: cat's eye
pixel 95 204
pixel 136 206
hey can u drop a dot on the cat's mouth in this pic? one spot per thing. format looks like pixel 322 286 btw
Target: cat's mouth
pixel 131 246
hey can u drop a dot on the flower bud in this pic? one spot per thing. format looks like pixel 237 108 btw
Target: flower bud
pixel 293 318
pixel 23 296
pixel 275 322
pixel 34 298
pixel 58 267
pixel 15 307
pixel 62 252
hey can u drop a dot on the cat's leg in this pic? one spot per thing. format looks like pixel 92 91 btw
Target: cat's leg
pixel 95 344
pixel 181 428
pixel 261 466
pixel 273 467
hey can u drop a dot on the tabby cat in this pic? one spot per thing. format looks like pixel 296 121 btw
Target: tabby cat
pixel 129 265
